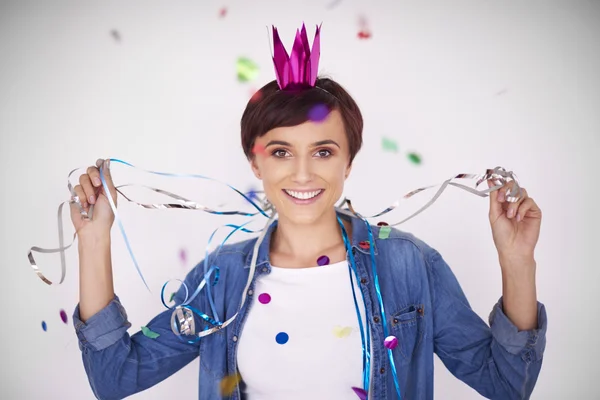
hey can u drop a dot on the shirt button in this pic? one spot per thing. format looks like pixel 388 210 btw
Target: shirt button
pixel 382 370
pixel 235 338
pixel 420 310
pixel 250 292
pixel 363 281
pixel 395 320
pixel 376 319
pixel 264 269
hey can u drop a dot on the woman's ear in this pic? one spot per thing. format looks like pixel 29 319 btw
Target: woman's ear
pixel 348 169
pixel 255 168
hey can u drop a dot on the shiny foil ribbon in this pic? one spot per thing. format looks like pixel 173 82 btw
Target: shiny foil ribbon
pixel 182 320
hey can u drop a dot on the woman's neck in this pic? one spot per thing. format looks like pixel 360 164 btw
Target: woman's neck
pixel 304 241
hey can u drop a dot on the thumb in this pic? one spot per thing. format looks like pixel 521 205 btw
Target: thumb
pixel 104 166
pixel 495 206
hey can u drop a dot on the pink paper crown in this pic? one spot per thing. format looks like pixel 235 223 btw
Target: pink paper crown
pixel 300 69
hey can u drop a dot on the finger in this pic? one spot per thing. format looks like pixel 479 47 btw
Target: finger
pixel 94 174
pixel 502 191
pixel 527 208
pixel 88 189
pixel 495 206
pixel 512 208
pixel 79 195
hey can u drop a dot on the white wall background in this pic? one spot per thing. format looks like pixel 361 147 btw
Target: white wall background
pixel 468 84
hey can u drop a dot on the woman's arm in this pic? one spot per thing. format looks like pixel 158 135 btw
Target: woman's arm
pixel 117 364
pixel 498 361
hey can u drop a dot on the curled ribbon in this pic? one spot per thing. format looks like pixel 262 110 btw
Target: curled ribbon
pixel 183 314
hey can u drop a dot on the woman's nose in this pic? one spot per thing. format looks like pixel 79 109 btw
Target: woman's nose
pixel 302 171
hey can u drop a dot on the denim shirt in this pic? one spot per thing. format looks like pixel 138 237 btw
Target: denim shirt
pixel 425 307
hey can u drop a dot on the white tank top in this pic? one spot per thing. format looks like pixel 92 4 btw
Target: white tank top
pixel 301 339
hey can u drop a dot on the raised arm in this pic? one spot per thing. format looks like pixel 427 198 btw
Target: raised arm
pixel 498 361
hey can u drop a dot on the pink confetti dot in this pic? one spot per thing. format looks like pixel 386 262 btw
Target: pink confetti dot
pixel 390 342
pixel 63 316
pixel 264 298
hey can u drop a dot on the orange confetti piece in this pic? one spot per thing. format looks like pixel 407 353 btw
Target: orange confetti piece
pixel 229 383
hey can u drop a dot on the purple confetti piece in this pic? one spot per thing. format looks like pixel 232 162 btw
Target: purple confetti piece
pixel 390 342
pixel 63 316
pixel 318 113
pixel 264 298
pixel 323 260
pixel 183 256
pixel 361 393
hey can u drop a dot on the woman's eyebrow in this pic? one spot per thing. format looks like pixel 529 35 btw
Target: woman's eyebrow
pixel 316 144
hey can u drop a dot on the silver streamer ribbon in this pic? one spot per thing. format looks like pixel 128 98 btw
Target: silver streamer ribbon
pixel 183 315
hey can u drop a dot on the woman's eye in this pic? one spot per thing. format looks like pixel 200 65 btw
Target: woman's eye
pixel 324 153
pixel 280 153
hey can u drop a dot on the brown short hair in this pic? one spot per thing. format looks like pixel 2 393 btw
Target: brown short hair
pixel 272 108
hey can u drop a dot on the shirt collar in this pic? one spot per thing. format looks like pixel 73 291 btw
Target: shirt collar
pixel 360 236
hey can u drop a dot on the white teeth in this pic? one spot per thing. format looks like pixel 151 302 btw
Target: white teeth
pixel 303 195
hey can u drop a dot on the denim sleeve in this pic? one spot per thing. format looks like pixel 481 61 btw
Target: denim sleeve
pixel 499 362
pixel 119 365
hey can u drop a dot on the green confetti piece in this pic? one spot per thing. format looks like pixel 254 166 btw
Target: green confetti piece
pixel 247 70
pixel 389 145
pixel 384 232
pixel 414 158
pixel 151 334
pixel 172 295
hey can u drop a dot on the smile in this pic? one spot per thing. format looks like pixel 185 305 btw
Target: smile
pixel 304 195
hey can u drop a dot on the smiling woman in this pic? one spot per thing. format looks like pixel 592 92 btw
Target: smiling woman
pixel 322 305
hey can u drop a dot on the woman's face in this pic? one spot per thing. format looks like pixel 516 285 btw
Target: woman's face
pixel 303 167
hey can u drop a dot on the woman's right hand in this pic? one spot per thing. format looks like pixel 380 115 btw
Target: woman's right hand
pixel 91 191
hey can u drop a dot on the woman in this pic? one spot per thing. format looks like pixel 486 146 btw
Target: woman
pixel 332 311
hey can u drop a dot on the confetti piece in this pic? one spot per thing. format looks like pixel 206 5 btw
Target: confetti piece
pixel 247 70
pixel 115 35
pixel 389 145
pixel 364 35
pixel 264 298
pixel 172 296
pixel 255 95
pixel 44 326
pixel 390 342
pixel 414 158
pixel 364 31
pixel 183 255
pixel 365 245
pixel 229 383
pixel 342 332
pixel 333 4
pixel 361 393
pixel 318 113
pixel 323 260
pixel 259 150
pixel 382 223
pixel 151 334
pixel 282 338
pixel 223 12
pixel 384 232
pixel 63 316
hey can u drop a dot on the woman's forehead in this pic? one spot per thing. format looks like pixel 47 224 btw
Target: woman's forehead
pixel 307 133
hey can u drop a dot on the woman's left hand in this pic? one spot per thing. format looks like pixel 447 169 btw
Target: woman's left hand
pixel 515 226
